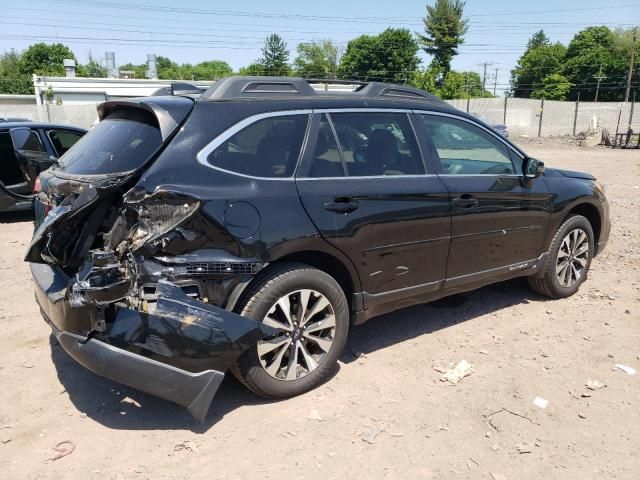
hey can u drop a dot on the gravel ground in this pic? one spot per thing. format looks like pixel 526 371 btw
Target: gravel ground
pixel 385 413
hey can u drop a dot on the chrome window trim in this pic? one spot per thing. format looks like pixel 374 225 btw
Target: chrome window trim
pixel 367 177
pixel 202 155
pixel 489 131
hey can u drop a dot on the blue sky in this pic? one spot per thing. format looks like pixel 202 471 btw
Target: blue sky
pixel 192 31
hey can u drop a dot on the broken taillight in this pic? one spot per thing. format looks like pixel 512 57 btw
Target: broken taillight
pixel 158 213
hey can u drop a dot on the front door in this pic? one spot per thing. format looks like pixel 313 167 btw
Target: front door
pixel 499 218
pixel 364 185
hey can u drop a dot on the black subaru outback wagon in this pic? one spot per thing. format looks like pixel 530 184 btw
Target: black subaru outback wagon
pixel 248 227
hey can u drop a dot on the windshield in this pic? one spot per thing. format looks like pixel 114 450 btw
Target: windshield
pixel 120 143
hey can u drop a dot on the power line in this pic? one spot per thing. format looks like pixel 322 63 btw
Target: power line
pixel 280 15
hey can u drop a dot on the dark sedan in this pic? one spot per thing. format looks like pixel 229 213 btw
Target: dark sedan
pixel 26 149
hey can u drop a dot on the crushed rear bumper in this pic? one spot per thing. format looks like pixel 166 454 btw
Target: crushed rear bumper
pixel 179 352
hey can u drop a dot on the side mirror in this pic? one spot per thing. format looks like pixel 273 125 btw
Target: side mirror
pixel 532 168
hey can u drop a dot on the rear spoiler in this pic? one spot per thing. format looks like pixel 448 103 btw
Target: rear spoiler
pixel 169 112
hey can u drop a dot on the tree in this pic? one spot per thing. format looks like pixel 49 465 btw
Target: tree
pixel 92 68
pixel 253 69
pixel 444 28
pixel 212 70
pixel 317 59
pixel 388 57
pixel 138 70
pixel 12 81
pixel 43 59
pixel 275 56
pixel 554 87
pixel 538 62
pixel 591 51
pixel 537 39
pixel 428 79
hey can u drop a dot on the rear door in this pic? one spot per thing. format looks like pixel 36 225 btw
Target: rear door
pixel 499 218
pixel 363 183
pixel 31 155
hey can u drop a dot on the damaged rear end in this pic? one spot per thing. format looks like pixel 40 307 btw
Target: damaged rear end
pixel 116 268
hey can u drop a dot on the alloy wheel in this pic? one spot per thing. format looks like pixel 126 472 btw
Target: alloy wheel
pixel 306 324
pixel 573 255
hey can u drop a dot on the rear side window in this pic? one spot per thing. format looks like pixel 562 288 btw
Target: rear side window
pixel 269 147
pixel 63 140
pixel 327 161
pixel 375 144
pixel 120 143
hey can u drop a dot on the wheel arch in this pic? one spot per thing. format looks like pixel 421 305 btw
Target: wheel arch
pixel 591 213
pixel 326 262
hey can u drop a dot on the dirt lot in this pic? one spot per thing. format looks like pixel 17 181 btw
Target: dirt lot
pixel 385 414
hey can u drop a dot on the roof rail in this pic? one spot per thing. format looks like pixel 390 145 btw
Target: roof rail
pixel 234 87
pixel 178 88
pixel 254 87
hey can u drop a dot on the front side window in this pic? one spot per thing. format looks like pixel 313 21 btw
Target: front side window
pixel 63 140
pixel 26 139
pixel 377 143
pixel 269 147
pixel 465 149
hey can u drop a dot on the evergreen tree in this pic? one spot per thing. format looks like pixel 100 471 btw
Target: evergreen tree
pixel 275 56
pixel 444 27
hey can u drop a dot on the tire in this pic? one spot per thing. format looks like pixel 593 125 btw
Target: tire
pixel 553 281
pixel 264 301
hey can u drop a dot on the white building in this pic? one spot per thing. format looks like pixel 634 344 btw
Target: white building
pixel 89 91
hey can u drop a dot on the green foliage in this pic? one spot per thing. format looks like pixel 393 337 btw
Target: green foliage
pixel 170 70
pixel 317 59
pixel 212 70
pixel 590 50
pixel 275 56
pixel 138 70
pixel 389 57
pixel 444 27
pixel 541 69
pixel 554 87
pixel 538 39
pixel 428 79
pixel 450 86
pixel 91 69
pixel 253 69
pixel 43 59
pixel 538 62
pixel 12 81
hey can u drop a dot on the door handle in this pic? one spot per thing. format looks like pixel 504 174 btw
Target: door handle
pixel 341 205
pixel 465 201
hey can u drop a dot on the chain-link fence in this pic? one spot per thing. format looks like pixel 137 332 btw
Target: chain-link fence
pixel 522 116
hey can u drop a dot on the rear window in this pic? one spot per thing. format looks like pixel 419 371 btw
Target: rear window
pixel 121 142
pixel 267 148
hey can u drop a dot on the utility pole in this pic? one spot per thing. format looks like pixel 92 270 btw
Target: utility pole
pixel 598 77
pixel 484 74
pixel 495 82
pixel 633 52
